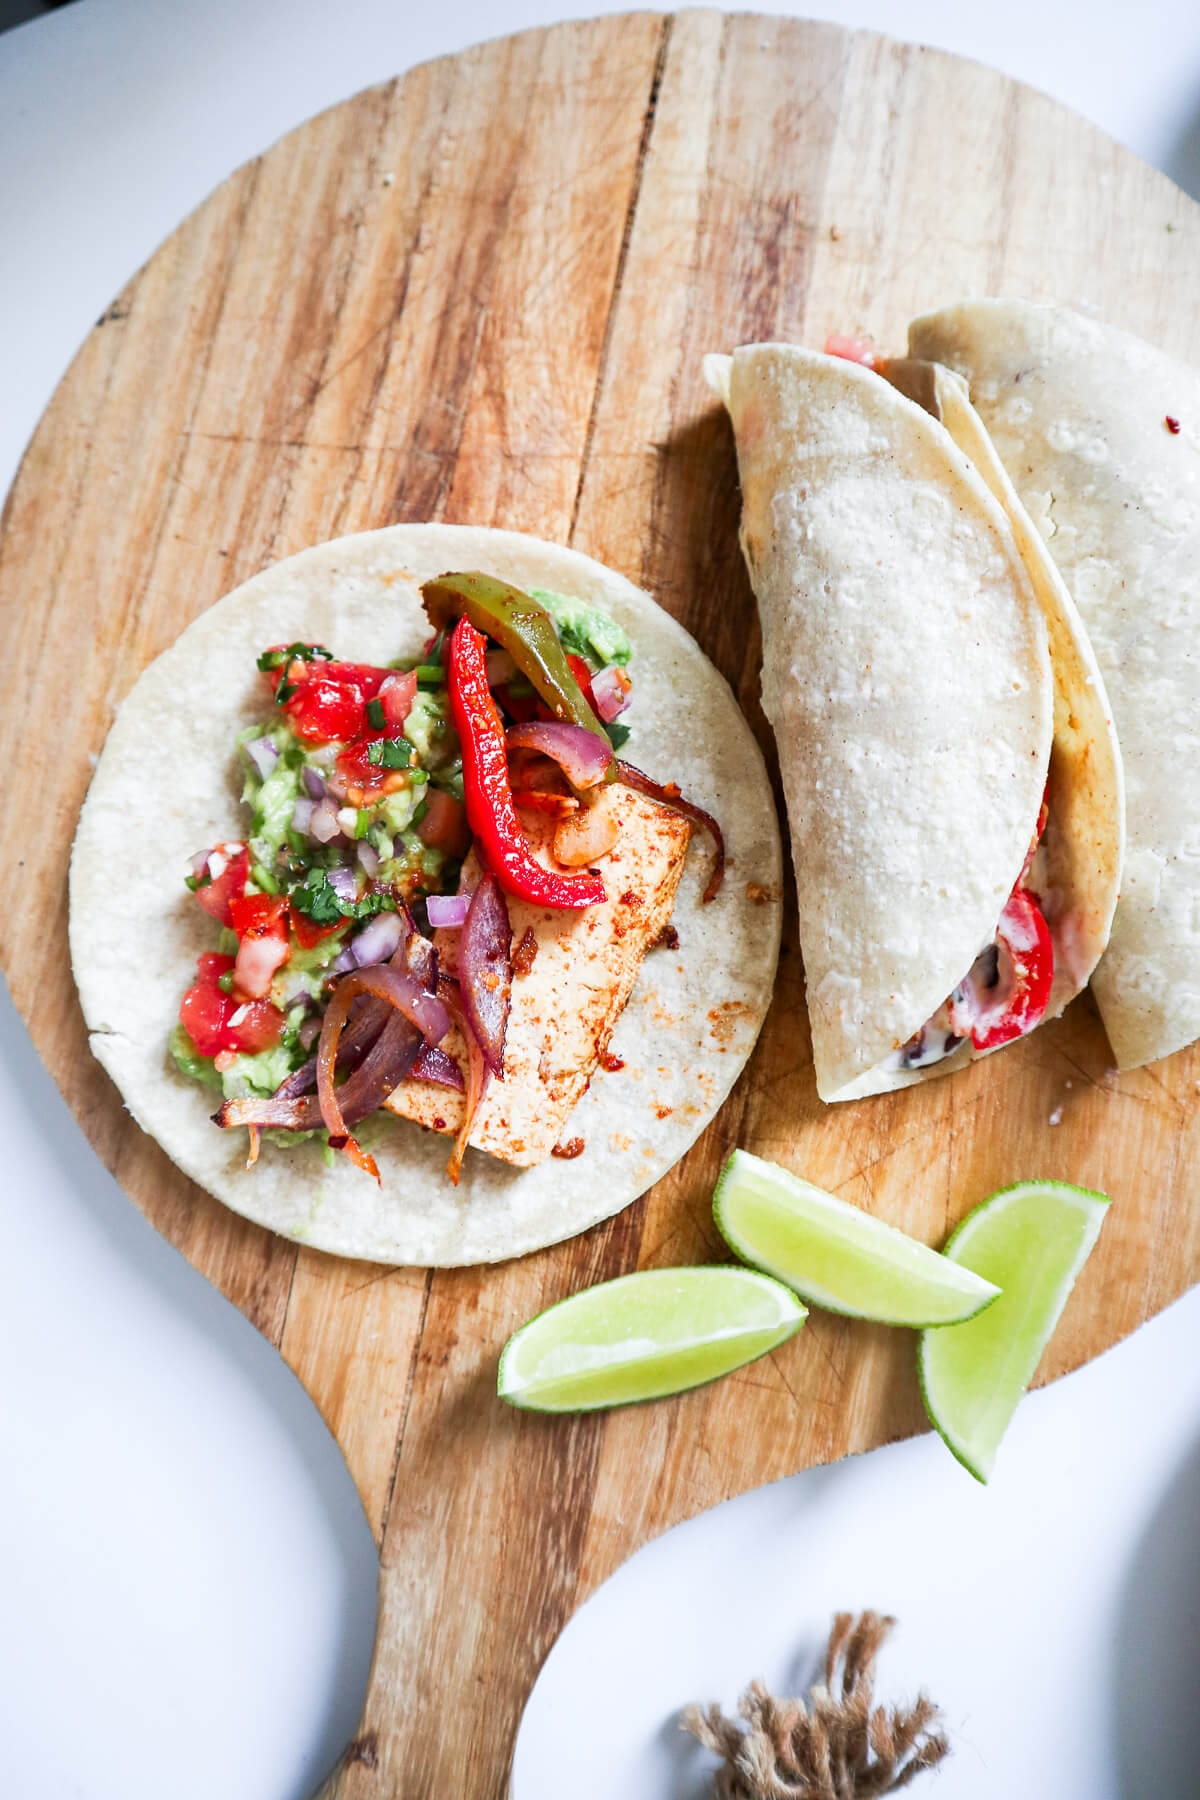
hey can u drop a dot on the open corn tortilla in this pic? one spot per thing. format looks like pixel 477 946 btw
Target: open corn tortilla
pixel 908 674
pixel 684 1036
pixel 1078 413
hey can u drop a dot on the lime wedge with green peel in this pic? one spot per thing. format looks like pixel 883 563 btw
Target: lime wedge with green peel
pixel 643 1336
pixel 1031 1240
pixel 834 1254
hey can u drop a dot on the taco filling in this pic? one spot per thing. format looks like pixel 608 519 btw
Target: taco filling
pixel 1006 991
pixel 447 886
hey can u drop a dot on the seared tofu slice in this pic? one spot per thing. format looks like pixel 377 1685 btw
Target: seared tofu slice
pixel 579 970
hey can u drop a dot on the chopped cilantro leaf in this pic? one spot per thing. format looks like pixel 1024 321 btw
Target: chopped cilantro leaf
pixel 390 753
pixel 279 659
pixel 375 715
pixel 316 899
pixel 618 735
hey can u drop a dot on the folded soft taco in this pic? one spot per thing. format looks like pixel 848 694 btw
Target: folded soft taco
pixel 952 778
pixel 423 882
pixel 1100 433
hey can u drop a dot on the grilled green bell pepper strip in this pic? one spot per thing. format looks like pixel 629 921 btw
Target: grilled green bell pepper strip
pixel 490 810
pixel 525 629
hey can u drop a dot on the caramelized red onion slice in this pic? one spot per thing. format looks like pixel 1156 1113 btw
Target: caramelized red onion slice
pixel 485 972
pixel 438 1069
pixel 414 1003
pixel 584 758
pixel 671 797
pixel 379 1041
pixel 478 1075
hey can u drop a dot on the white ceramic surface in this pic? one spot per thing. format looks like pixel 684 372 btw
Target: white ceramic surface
pixel 186 1582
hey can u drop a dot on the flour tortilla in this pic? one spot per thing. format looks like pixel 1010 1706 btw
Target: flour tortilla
pixel 907 674
pixel 167 786
pixel 1077 412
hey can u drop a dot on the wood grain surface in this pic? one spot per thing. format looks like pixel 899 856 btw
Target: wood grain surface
pixel 481 293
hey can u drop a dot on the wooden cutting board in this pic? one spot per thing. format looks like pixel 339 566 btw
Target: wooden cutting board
pixel 481 293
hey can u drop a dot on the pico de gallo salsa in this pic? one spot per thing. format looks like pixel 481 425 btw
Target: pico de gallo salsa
pixel 367 786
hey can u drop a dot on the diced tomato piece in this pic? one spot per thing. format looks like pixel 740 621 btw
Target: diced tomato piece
pixel 219 1024
pixel 306 933
pixel 330 698
pixel 396 696
pixel 255 1025
pixel 583 676
pixel 853 349
pixel 259 915
pixel 260 921
pixel 444 826
pixel 229 883
pixel 204 1010
pixel 257 960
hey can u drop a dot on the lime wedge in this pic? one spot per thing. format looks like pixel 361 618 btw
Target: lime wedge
pixel 643 1336
pixel 1032 1240
pixel 836 1255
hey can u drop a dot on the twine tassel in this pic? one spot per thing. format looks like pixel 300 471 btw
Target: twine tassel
pixel 827 1748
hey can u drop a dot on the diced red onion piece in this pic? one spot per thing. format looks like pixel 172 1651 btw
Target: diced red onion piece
pixel 262 754
pixel 584 758
pixel 378 940
pixel 368 858
pixel 198 864
pixel 342 880
pixel 447 911
pixel 324 826
pixel 485 971
pixel 326 755
pixel 342 963
pixel 309 1032
pixel 314 787
pixel 612 691
pixel 302 815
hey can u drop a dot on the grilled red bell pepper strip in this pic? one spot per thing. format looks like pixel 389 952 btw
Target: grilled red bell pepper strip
pixel 490 810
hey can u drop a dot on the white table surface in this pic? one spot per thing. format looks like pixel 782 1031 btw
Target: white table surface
pixel 186 1580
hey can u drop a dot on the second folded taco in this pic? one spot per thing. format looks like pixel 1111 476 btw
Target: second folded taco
pixel 952 778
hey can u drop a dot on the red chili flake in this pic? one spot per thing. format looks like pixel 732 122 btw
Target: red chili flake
pixel 610 1062
pixel 525 952
pixel 1172 425
pixel 663 1112
pixel 572 1148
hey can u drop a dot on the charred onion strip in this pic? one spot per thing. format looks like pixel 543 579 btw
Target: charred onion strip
pixel 671 797
pixel 415 1003
pixel 438 1069
pixel 584 758
pixel 485 972
pixel 477 1080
